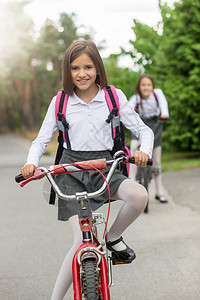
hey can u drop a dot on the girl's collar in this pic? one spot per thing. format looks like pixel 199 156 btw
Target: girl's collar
pixel 97 97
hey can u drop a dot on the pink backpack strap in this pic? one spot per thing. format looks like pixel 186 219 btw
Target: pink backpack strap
pixel 156 98
pixel 58 97
pixel 110 105
pixel 114 115
pixel 63 112
pixel 113 89
pixel 108 97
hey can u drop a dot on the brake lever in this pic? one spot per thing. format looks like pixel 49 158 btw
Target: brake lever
pixel 38 174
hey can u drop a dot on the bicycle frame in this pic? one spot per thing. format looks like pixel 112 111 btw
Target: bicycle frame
pixel 88 248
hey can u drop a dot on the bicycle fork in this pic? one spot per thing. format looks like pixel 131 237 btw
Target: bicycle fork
pixel 89 250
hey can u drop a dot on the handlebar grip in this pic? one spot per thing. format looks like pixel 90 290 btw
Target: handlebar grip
pixel 19 178
pixel 38 174
pixel 131 160
pixel 149 162
pixel 164 119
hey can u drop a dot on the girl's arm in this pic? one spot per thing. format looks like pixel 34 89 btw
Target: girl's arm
pixel 44 137
pixel 133 101
pixel 163 105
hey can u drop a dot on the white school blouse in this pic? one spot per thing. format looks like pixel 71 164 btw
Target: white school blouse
pixel 150 106
pixel 88 129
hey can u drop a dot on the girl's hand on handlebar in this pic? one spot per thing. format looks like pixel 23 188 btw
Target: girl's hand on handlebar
pixel 140 158
pixel 163 118
pixel 28 170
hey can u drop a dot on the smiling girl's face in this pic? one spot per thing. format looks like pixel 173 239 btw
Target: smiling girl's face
pixel 146 87
pixel 84 73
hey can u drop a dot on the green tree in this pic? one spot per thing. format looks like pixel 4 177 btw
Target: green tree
pixel 15 69
pixel 50 47
pixel 174 63
pixel 30 67
pixel 182 69
pixel 49 51
pixel 122 78
pixel 145 45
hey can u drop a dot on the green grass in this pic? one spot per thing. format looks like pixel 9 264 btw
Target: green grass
pixel 172 161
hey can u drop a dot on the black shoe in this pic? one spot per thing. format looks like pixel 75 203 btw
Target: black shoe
pixel 161 199
pixel 127 255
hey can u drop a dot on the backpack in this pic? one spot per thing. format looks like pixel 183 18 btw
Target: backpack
pixel 118 133
pixel 137 104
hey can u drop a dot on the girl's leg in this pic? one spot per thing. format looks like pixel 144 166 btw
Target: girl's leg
pixel 133 168
pixel 157 170
pixel 135 197
pixel 64 279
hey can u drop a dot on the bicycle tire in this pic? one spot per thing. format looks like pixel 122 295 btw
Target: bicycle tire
pixel 143 177
pixel 90 279
pixel 146 178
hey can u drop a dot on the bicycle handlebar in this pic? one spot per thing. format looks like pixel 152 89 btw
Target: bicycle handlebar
pixel 131 160
pixel 78 167
pixel 88 165
pixel 19 178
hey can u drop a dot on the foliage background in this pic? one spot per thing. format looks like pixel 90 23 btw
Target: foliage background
pixel 171 54
pixel 30 67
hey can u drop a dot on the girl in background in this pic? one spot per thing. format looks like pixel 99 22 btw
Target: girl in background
pixel 151 105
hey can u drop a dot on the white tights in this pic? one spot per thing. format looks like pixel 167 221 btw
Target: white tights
pixel 135 198
pixel 156 166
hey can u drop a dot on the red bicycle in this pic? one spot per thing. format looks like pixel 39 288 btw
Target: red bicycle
pixel 91 266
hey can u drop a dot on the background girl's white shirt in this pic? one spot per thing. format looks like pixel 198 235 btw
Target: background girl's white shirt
pixel 150 107
pixel 88 129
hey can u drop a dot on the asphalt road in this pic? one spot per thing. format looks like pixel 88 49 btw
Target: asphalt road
pixel 33 243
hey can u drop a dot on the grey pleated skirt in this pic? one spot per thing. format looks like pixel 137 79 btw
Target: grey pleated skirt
pixel 89 181
pixel 156 127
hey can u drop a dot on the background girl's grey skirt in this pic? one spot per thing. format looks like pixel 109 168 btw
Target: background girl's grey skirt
pixel 89 181
pixel 156 127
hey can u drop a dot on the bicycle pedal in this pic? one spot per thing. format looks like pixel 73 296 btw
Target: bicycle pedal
pixel 115 260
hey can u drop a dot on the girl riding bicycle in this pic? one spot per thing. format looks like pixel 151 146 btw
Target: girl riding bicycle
pixel 152 106
pixel 90 137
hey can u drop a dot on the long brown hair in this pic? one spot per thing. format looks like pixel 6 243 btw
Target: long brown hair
pixel 76 49
pixel 137 89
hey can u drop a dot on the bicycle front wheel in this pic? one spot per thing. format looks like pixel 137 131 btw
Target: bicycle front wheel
pixel 142 177
pixel 90 279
